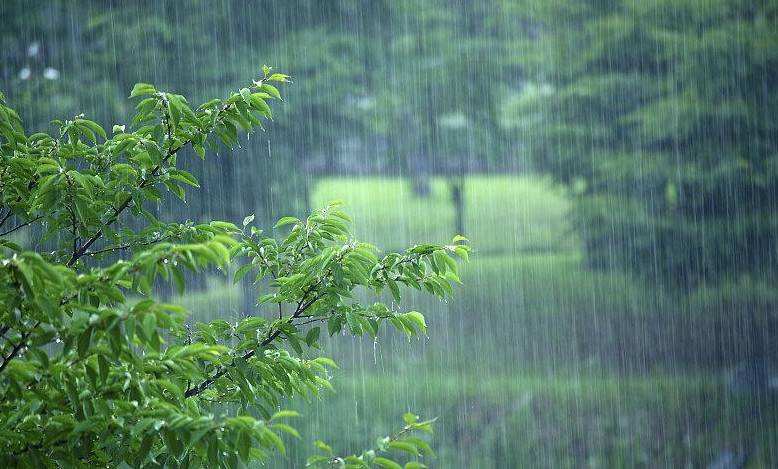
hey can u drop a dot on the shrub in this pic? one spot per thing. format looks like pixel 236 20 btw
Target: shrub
pixel 90 377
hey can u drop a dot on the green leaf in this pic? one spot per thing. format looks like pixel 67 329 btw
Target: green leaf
pixel 417 319
pixel 312 336
pixel 334 325
pixel 84 342
pixel 241 272
pixel 103 366
pixel 150 325
pixel 285 414
pixel 275 440
pixel 93 126
pixel 286 221
pixel 386 463
pixel 271 90
pixel 199 150
pixel 394 289
pixel 323 447
pixel 414 465
pixel 245 93
pixel 353 323
pixel 141 89
pixel 185 177
pixel 405 446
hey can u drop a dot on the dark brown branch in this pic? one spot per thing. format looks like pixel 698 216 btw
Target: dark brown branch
pixel 172 151
pixel 124 246
pixel 268 340
pixel 6 216
pixel 18 347
pixel 18 227
pixel 118 211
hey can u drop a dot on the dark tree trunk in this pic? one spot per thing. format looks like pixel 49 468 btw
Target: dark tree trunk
pixel 458 200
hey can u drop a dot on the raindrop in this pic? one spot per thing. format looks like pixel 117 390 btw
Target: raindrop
pixel 50 73
pixel 33 49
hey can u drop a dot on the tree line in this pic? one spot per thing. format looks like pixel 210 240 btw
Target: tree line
pixel 658 117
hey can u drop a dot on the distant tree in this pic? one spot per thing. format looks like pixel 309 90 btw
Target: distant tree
pixel 660 116
pixel 380 82
pixel 96 60
pixel 456 62
pixel 94 371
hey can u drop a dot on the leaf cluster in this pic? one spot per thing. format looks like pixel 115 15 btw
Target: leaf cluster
pixel 94 369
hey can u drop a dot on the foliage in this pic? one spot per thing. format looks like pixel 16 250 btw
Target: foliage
pixel 94 370
pixel 658 115
pixel 376 72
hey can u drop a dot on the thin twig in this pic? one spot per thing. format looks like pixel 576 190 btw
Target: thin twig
pixel 311 321
pixel 273 336
pixel 6 216
pixel 172 151
pixel 16 348
pixel 124 246
pixel 18 227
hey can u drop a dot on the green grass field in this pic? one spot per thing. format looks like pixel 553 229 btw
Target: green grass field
pixel 502 213
pixel 517 364
pixel 499 421
pixel 525 289
pixel 537 361
pixel 527 297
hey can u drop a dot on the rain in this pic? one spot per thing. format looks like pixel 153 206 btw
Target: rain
pixel 613 164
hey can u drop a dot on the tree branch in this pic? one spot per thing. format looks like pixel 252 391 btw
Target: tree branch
pixel 172 151
pixel 121 247
pixel 118 211
pixel 268 340
pixel 302 306
pixel 16 348
pixel 18 227
pixel 311 321
pixel 6 216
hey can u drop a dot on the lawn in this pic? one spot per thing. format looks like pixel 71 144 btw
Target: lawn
pixel 536 340
pixel 526 296
pixel 502 213
pixel 491 421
